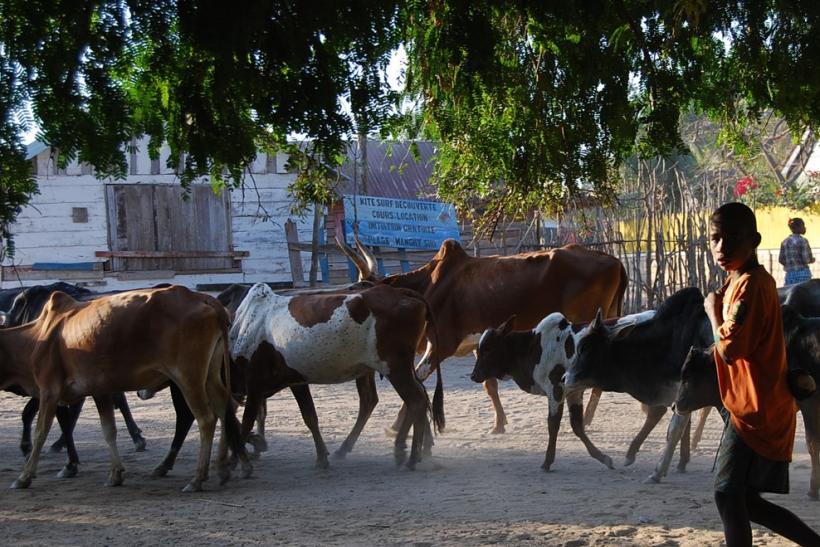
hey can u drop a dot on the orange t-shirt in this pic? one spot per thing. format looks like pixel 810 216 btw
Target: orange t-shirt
pixel 751 365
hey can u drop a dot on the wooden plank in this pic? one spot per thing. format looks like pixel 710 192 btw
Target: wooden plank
pixel 172 254
pixel 294 255
pixel 25 273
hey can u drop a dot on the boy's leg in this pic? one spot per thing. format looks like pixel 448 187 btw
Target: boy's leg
pixel 737 528
pixel 780 520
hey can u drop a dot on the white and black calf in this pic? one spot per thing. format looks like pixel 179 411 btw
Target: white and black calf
pixel 329 338
pixel 699 382
pixel 536 360
pixel 645 361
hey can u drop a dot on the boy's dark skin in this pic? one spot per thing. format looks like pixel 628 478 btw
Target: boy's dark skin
pixel 734 240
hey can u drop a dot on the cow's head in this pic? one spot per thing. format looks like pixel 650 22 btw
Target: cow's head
pixel 492 354
pixel 698 381
pixel 592 352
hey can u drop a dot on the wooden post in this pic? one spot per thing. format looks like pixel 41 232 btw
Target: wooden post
pixel 292 237
pixel 405 264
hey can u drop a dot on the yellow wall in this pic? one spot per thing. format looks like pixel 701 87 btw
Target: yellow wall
pixel 772 223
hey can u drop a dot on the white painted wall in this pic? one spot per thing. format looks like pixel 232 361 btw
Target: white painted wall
pixel 44 231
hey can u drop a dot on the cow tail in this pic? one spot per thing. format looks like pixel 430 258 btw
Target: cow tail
pixel 438 402
pixel 438 395
pixel 619 300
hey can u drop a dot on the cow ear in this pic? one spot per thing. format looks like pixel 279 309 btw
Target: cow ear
pixel 623 331
pixel 507 326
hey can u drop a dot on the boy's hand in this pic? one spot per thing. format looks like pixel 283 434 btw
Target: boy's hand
pixel 713 305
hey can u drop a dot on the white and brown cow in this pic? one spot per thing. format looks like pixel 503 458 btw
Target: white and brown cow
pixel 126 342
pixel 329 338
pixel 536 360
pixel 470 294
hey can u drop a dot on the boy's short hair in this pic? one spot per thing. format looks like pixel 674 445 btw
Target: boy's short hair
pixel 737 214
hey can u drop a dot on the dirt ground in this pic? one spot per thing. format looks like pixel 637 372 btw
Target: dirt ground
pixel 478 489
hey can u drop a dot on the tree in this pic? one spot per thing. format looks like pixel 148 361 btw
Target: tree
pixel 533 103
pixel 215 80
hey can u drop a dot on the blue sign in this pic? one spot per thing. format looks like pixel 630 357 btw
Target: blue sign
pixel 400 223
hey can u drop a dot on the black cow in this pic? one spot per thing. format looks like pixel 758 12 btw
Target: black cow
pixel 699 382
pixel 645 361
pixel 803 297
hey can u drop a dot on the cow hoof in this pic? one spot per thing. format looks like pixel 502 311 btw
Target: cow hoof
pixel 340 454
pixel 652 479
pixel 57 447
pixel 115 478
pixel 259 443
pixel 25 449
pixel 140 444
pixel 193 486
pixel 247 470
pixel 254 455
pixel 224 475
pixel 20 483
pixel 68 471
pixel 545 467
pixel 498 430
pixel 629 460
pixel 390 432
pixel 411 464
pixel 608 462
pixel 160 471
pixel 322 463
pixel 813 496
pixel 399 456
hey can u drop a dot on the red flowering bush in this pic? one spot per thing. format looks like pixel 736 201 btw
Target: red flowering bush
pixel 744 185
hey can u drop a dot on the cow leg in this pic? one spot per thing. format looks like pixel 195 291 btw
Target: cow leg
pixel 684 446
pixel 305 401
pixel 676 429
pixel 47 408
pixel 253 401
pixel 810 408
pixel 64 418
pixel 368 399
pixel 105 406
pixel 576 420
pixel 400 418
pixel 29 412
pixel 491 387
pixel 553 424
pixel 258 439
pixel 653 416
pixel 206 420
pixel 704 413
pixel 184 421
pixel 73 411
pixel 592 404
pixel 412 392
pixel 133 429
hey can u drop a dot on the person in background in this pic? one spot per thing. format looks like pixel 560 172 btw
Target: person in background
pixel 750 357
pixel 795 253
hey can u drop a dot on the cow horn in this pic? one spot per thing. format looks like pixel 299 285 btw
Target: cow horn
pixel 372 265
pixel 598 322
pixel 364 269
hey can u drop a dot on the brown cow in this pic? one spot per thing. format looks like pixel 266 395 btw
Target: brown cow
pixel 470 294
pixel 125 342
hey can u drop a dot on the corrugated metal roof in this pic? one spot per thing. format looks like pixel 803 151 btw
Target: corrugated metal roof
pixel 33 149
pixel 392 170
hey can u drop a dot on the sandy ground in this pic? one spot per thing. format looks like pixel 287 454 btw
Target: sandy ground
pixel 478 489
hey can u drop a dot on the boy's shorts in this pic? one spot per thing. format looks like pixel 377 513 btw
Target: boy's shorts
pixel 739 468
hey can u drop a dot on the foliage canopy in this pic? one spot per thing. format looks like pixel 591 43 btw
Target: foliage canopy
pixel 531 101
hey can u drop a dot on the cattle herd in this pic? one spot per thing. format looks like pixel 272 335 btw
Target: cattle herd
pixel 550 320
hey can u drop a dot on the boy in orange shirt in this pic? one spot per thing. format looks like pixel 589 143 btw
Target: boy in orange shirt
pixel 750 355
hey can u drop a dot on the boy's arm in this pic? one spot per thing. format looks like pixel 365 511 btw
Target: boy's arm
pixel 781 257
pixel 807 256
pixel 739 334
